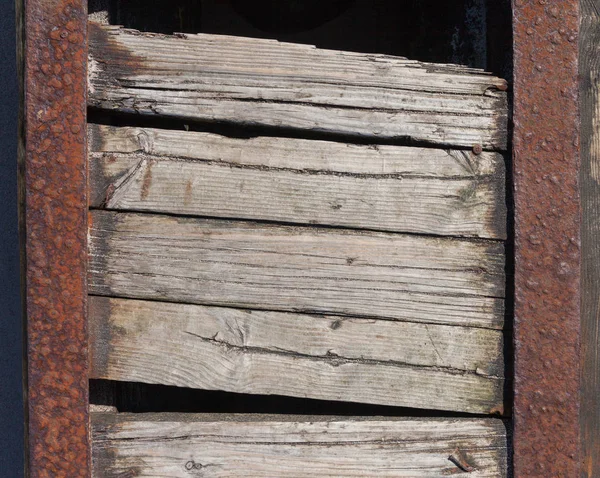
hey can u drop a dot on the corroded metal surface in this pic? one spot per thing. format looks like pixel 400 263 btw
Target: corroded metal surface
pixel 53 169
pixel 547 239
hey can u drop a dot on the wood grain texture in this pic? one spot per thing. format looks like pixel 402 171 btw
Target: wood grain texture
pixel 266 83
pixel 468 349
pixel 391 188
pixel 356 360
pixel 183 445
pixel 589 67
pixel 252 265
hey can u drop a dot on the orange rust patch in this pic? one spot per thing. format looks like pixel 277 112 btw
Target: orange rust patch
pixel 54 188
pixel 188 193
pixel 147 181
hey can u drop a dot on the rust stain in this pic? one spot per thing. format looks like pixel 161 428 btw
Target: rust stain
pixel 547 239
pixel 147 181
pixel 54 200
pixel 499 410
pixel 459 459
pixel 188 193
pixel 110 191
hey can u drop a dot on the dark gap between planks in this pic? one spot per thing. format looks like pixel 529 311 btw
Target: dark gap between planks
pixel 475 33
pixel 231 130
pixel 303 225
pixel 133 397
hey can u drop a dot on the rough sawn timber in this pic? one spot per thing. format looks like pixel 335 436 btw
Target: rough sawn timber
pixel 357 360
pixel 403 189
pixel 183 445
pixel 298 269
pixel 260 82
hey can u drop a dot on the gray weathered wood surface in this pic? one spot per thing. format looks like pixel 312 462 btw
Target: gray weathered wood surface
pixel 302 269
pixel 469 349
pixel 183 445
pixel 357 360
pixel 320 312
pixel 263 82
pixel 419 190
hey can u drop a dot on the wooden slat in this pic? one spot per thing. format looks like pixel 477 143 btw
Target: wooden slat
pixel 390 188
pixel 251 265
pixel 262 82
pixel 358 360
pixel 469 349
pixel 183 445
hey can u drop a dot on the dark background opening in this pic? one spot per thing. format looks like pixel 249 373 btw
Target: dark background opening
pixel 12 414
pixel 147 398
pixel 476 33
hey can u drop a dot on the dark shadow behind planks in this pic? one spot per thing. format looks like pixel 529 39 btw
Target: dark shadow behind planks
pixel 12 397
pixel 441 32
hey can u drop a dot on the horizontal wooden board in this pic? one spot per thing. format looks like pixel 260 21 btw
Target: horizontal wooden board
pixel 419 190
pixel 301 269
pixel 183 445
pixel 260 82
pixel 356 360
pixel 468 349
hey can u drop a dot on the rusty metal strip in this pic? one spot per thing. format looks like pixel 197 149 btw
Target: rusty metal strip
pixel 547 238
pixel 54 194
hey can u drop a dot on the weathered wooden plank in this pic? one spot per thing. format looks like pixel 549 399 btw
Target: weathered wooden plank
pixel 252 265
pixel 263 82
pixel 357 360
pixel 180 445
pixel 469 349
pixel 298 154
pixel 420 190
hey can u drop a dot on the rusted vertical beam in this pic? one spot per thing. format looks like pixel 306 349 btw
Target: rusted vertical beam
pixel 547 238
pixel 54 213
